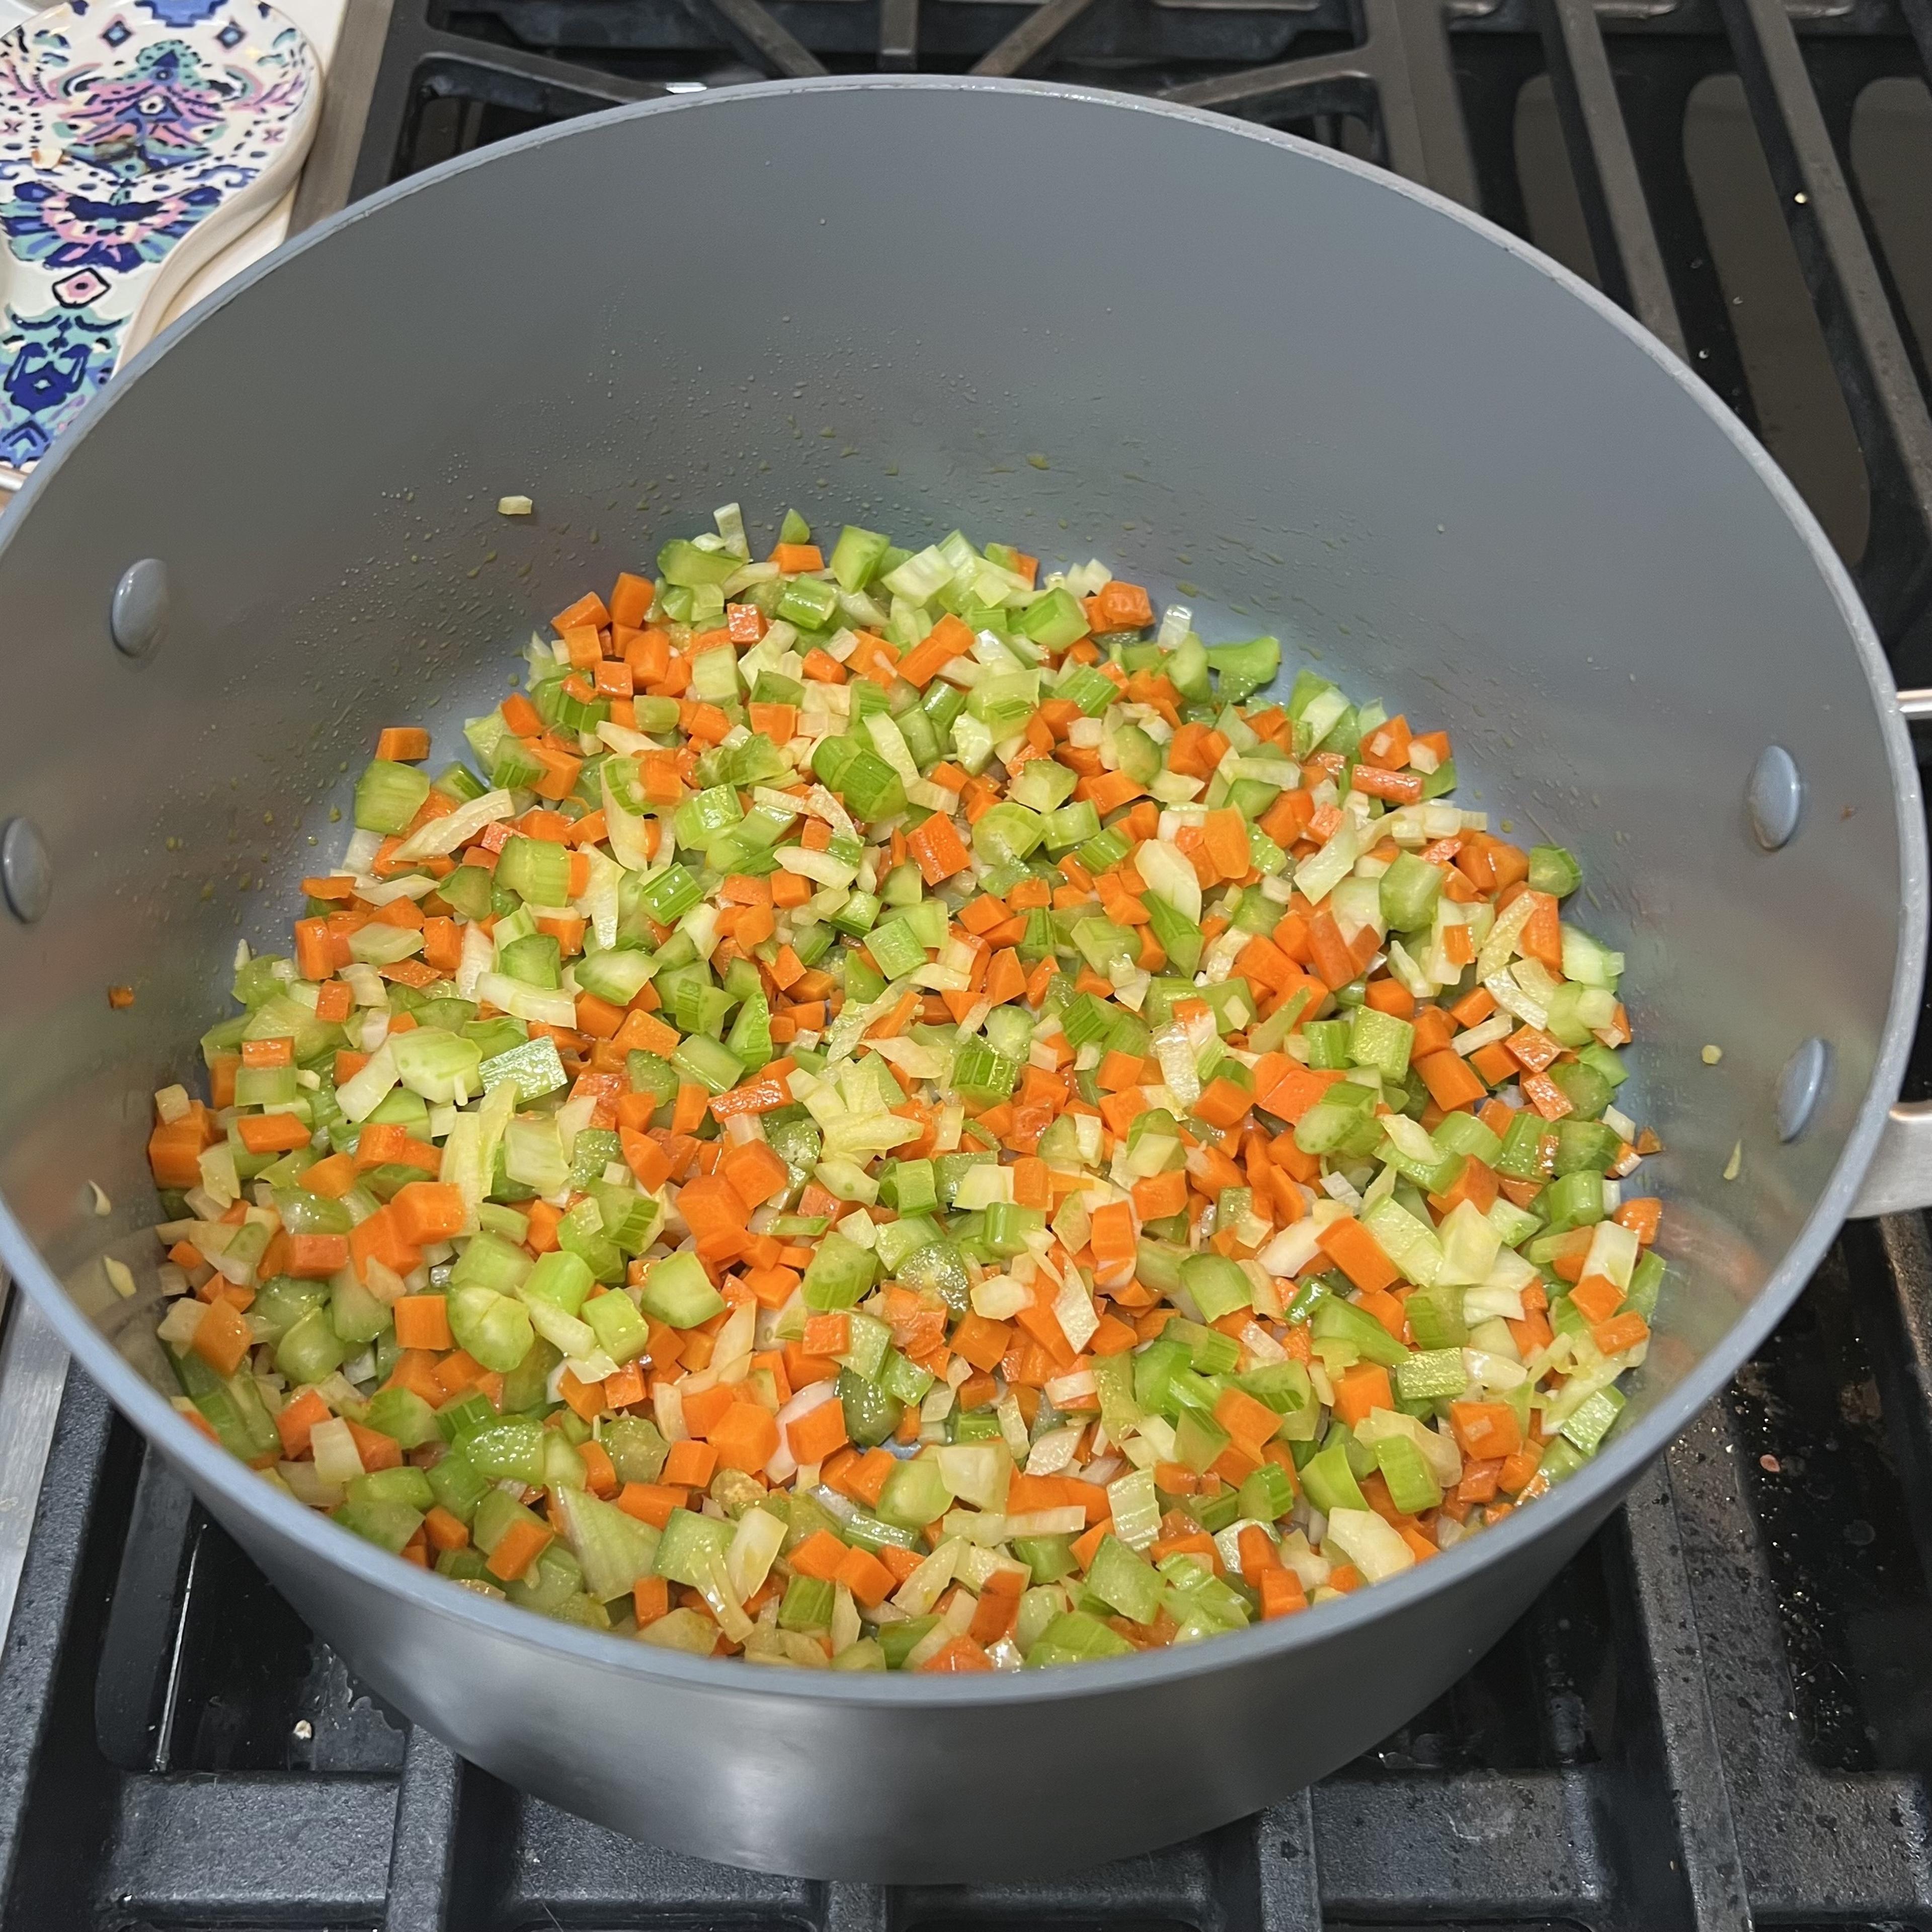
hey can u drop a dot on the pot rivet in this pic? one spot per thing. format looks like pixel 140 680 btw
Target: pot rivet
pixel 26 870
pixel 138 616
pixel 1801 1086
pixel 1775 797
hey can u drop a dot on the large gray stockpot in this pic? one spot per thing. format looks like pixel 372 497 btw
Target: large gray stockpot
pixel 1351 412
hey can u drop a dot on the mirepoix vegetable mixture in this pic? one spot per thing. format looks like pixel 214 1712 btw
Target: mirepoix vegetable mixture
pixel 891 1114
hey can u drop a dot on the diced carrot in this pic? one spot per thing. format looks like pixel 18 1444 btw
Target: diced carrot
pixel 1361 1388
pixel 403 745
pixel 817 1433
pixel 690 1464
pixel 1358 1254
pixel 422 1321
pixel 1486 1429
pixel 519 1546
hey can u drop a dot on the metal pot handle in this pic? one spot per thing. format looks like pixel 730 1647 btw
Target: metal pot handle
pixel 1899 1181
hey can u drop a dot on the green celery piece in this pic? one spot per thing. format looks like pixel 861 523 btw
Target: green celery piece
pixel 1554 870
pixel 389 796
pixel 636 1449
pixel 533 1068
pixel 1244 668
pixel 1593 1420
pixel 708 1063
pixel 678 1293
pixel 1412 1487
pixel 691 1546
pixel 685 565
pixel 1380 1040
pixel 1410 889
pixel 493 1327
pixel 840 1274
pixel 1266 1495
pixel 1124 1581
pixel 536 869
pixel 1337 1320
pixel 1218 1285
pixel 1329 1482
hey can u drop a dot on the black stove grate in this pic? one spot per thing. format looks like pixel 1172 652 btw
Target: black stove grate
pixel 1721 1713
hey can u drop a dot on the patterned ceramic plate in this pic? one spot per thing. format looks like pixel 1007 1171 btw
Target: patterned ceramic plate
pixel 137 137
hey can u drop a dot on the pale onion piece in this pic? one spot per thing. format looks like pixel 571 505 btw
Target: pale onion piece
pixel 975 1472
pixel 172 1104
pixel 514 506
pixel 1012 1425
pixel 755 1548
pixel 179 1326
pixel 1372 1545
pixel 120 1276
pixel 1498 1026
pixel 983 1187
pixel 1257 1341
pixel 956 1619
pixel 337 1458
pixel 820 865
pixel 846 1627
pixel 1175 1052
pixel 1052 1452
pixel 627 743
pixel 980 1529
pixel 384 1283
pixel 521 1002
pixel 1063 1391
pixel 456 828
pixel 1000 1297
pixel 667 1405
pixel 368 987
pixel 359 854
pixel 716 1589
pixel 364 1091
pixel 306 1487
pixel 204 1207
pixel 172 1280
pixel 219 1178
pixel 1073 1223
pixel 1493 1371
pixel 1484 1302
pixel 1068 1520
pixel 929 1645
pixel 923 1588
pixel 923 1062
pixel 1073 1310
pixel 1613 1253
pixel 1165 868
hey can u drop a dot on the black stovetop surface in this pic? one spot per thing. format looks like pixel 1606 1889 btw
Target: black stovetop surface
pixel 1720 1714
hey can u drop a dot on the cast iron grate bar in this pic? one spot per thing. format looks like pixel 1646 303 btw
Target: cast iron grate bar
pixel 751 26
pixel 1868 351
pixel 898 36
pixel 1398 76
pixel 1032 37
pixel 1629 260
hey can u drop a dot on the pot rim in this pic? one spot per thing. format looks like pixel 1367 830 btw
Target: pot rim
pixel 1591 1490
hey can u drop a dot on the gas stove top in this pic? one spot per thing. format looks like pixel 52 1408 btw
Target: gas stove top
pixel 1721 1713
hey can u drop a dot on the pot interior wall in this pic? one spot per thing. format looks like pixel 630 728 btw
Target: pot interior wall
pixel 1305 400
